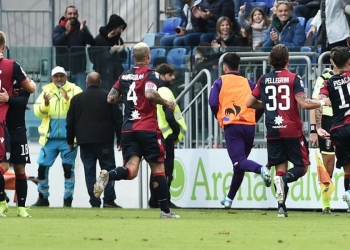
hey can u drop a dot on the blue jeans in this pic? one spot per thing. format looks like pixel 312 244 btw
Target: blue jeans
pixel 79 79
pixel 47 157
pixel 191 40
pixel 207 37
pixel 104 154
pixel 178 6
pixel 168 41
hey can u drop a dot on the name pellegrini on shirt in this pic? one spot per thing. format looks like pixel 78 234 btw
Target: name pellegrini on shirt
pixel 274 80
pixel 132 77
pixel 343 81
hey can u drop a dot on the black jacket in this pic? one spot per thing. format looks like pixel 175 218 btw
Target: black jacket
pixel 170 118
pixel 219 8
pixel 108 65
pixel 91 119
pixel 70 50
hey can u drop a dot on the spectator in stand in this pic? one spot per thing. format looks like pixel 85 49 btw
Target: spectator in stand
pixel 225 37
pixel 178 6
pixel 211 11
pixel 299 7
pixel 311 9
pixel 108 53
pixel 285 28
pixel 254 29
pixel 337 29
pixel 70 38
pixel 191 25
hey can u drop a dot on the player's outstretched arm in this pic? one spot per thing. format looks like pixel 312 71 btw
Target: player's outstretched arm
pixel 29 85
pixel 254 103
pixel 307 103
pixel 153 96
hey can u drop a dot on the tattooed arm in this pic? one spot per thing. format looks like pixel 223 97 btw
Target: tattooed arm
pixel 153 96
pixel 113 96
pixel 307 103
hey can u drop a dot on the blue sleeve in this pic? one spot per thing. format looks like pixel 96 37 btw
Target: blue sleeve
pixel 251 85
pixel 153 76
pixel 214 96
pixel 267 40
pixel 298 37
pixel 298 85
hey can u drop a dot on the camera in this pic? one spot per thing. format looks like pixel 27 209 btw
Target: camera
pixel 219 40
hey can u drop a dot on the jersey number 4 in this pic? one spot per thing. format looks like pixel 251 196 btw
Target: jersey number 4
pixel 272 91
pixel 131 95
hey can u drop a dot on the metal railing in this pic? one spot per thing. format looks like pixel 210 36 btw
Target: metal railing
pixel 196 105
pixel 260 139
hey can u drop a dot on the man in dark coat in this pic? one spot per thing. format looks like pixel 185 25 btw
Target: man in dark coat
pixel 108 53
pixel 70 38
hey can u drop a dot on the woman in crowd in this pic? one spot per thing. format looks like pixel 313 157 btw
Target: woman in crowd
pixel 255 29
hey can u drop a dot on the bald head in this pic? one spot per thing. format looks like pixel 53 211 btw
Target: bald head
pixel 93 79
pixel 141 53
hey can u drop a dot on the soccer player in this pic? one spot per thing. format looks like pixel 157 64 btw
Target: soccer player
pixel 15 123
pixel 10 71
pixel 140 136
pixel 337 88
pixel 227 101
pixel 279 93
pixel 326 149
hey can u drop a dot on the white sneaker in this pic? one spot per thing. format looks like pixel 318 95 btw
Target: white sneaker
pixel 3 208
pixel 279 188
pixel 170 215
pixel 101 183
pixel 282 213
pixel 226 202
pixel 346 198
pixel 266 175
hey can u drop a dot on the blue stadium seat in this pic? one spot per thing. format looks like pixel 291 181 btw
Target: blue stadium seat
pixel 309 49
pixel 176 57
pixel 169 26
pixel 302 20
pixel 251 5
pixel 126 64
pixel 269 3
pixel 157 52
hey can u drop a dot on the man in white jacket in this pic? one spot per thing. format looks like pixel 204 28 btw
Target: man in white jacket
pixel 337 28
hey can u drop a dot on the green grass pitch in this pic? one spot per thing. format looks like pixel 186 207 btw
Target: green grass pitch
pixel 58 228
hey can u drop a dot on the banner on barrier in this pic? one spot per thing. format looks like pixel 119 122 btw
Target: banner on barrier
pixel 202 178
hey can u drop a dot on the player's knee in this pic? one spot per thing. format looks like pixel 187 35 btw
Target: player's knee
pixel 67 169
pixel 132 174
pixel 4 166
pixel 41 172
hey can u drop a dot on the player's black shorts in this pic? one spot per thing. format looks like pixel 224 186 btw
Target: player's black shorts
pixel 326 124
pixel 295 150
pixel 5 147
pixel 145 144
pixel 19 146
pixel 340 138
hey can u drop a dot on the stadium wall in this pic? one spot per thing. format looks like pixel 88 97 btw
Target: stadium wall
pixel 201 178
